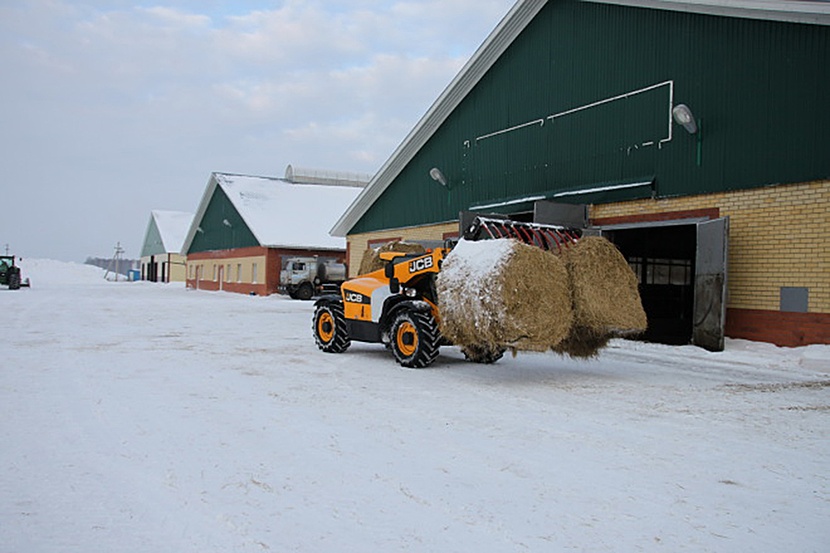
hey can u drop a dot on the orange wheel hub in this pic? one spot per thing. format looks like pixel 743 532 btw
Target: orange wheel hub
pixel 407 338
pixel 325 327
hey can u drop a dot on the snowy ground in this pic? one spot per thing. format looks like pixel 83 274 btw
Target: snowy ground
pixel 208 422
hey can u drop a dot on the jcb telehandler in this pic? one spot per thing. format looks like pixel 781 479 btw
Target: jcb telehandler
pixel 397 305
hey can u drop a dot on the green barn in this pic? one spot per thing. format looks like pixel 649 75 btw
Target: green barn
pixel 694 134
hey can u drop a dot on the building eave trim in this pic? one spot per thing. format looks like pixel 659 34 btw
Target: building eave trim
pixel 788 11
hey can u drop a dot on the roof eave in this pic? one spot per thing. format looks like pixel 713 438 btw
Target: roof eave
pixel 305 247
pixel 788 11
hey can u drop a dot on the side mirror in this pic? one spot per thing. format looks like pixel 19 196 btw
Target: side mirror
pixel 394 285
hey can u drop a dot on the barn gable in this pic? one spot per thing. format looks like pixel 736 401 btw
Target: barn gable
pixel 160 253
pixel 239 211
pixel 166 231
pixel 247 226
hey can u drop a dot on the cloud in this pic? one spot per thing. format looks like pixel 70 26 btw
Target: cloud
pixel 132 103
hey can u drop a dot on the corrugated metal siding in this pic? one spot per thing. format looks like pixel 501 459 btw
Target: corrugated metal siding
pixel 215 234
pixel 758 89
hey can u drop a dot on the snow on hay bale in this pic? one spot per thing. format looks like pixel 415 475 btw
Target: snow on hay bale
pixel 371 258
pixel 502 293
pixel 606 300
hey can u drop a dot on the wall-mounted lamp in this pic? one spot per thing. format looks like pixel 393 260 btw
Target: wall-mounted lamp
pixel 683 117
pixel 199 229
pixel 439 177
pixel 227 223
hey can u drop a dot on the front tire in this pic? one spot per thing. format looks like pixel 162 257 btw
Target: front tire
pixel 415 339
pixel 330 331
pixel 305 291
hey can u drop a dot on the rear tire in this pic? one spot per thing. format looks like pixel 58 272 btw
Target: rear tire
pixel 14 281
pixel 415 339
pixel 329 327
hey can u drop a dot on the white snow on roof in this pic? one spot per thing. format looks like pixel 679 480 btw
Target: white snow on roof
pixel 173 227
pixel 285 215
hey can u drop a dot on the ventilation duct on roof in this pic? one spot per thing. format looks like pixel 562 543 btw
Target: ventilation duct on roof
pixel 301 175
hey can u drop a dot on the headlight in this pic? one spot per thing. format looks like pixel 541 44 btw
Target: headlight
pixel 411 292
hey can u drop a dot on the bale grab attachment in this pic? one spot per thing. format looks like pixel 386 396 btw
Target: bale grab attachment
pixel 547 237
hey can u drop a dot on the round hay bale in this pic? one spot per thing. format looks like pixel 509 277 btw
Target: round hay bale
pixel 372 262
pixel 605 294
pixel 502 293
pixel 582 343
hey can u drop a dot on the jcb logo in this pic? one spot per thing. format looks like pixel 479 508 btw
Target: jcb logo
pixel 354 297
pixel 420 264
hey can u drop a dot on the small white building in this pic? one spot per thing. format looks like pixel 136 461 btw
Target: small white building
pixel 161 258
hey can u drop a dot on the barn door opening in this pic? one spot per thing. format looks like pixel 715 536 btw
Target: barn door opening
pixel 663 259
pixel 709 314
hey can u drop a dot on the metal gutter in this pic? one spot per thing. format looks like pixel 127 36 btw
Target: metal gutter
pixel 789 11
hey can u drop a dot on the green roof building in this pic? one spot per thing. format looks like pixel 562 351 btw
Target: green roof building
pixel 694 134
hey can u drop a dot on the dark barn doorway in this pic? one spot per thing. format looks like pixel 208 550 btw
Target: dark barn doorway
pixel 681 267
pixel 663 258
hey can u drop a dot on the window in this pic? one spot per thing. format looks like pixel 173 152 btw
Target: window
pixel 228 273
pixel 253 273
pixel 674 272
pixel 239 272
pixel 636 264
pixel 669 271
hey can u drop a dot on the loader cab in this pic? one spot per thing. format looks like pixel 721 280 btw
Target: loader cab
pixel 412 274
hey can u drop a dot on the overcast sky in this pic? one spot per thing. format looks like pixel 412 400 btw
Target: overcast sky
pixel 113 108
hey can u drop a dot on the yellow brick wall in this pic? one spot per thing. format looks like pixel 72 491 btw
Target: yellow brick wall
pixel 359 243
pixel 241 269
pixel 778 236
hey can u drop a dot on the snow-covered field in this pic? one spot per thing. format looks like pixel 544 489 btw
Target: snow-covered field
pixel 147 418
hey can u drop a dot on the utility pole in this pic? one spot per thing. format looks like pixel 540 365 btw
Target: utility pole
pixel 115 260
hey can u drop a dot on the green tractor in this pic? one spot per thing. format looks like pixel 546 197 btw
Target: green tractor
pixel 10 273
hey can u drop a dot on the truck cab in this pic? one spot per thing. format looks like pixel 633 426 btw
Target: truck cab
pixel 304 277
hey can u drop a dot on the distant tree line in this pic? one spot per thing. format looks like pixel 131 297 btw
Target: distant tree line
pixel 124 265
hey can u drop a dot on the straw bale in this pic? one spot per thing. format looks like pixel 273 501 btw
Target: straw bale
pixel 606 299
pixel 502 293
pixel 371 258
